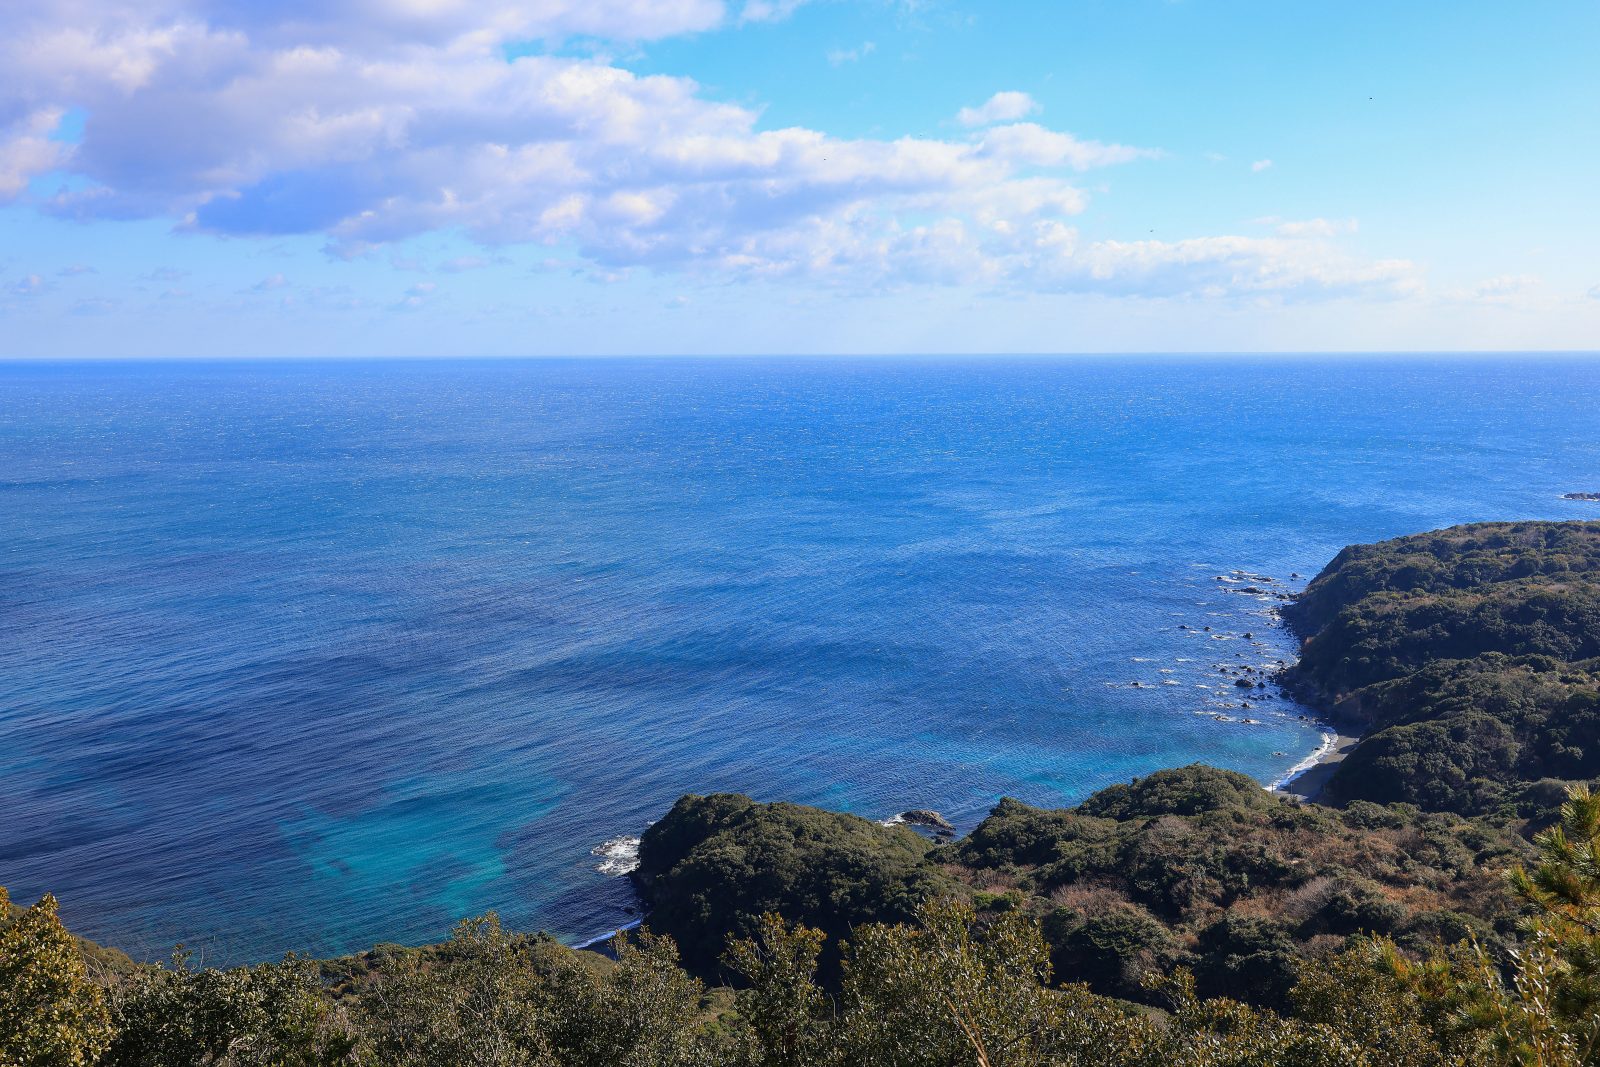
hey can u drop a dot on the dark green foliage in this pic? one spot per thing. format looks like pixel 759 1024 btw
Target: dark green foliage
pixel 1365 815
pixel 1192 790
pixel 785 1012
pixel 1356 907
pixel 1246 959
pixel 1467 655
pixel 1319 873
pixel 1471 735
pixel 478 1001
pixel 946 992
pixel 272 1015
pixel 1155 879
pixel 490 999
pixel 715 865
pixel 1462 557
pixel 1464 763
pixel 951 990
pixel 1390 635
pixel 1110 950
pixel 1360 994
pixel 1015 834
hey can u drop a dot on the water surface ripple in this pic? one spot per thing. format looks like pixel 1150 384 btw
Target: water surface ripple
pixel 301 656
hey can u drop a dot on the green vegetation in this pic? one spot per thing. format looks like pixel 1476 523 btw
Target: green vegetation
pixel 51 1014
pixel 491 998
pixel 269 1015
pixel 1194 867
pixel 1470 657
pixel 950 990
pixel 715 865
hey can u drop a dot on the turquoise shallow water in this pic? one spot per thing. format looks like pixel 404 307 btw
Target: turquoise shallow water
pixel 312 656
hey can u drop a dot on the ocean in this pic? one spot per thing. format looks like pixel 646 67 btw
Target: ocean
pixel 311 656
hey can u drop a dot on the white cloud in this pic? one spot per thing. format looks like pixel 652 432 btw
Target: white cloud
pixel 1506 284
pixel 1594 292
pixel 372 121
pixel 1033 145
pixel 1316 227
pixel 365 23
pixel 27 151
pixel 1044 254
pixel 1505 288
pixel 1514 291
pixel 840 56
pixel 1001 107
pixel 1260 165
pixel 28 285
pixel 1222 266
pixel 768 10
pixel 268 284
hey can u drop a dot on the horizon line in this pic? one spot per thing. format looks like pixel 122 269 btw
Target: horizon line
pixel 1436 353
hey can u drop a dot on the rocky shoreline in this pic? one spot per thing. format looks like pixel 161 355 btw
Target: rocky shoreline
pixel 924 821
pixel 1307 785
pixel 1306 782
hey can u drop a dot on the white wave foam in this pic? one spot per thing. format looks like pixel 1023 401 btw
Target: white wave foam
pixel 618 856
pixel 1329 739
pixel 608 935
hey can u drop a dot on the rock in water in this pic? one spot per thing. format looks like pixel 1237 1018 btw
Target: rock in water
pixel 927 820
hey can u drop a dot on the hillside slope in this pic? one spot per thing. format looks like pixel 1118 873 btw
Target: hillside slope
pixel 1194 866
pixel 1470 658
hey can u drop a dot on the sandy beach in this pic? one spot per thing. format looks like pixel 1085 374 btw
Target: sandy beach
pixel 1308 784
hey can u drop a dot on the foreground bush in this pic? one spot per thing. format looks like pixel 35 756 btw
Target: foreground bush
pixel 493 1000
pixel 954 988
pixel 947 991
pixel 51 1015
pixel 268 1015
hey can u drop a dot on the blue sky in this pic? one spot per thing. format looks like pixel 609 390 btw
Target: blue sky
pixel 215 178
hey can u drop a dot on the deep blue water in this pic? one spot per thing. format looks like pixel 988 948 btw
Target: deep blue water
pixel 315 655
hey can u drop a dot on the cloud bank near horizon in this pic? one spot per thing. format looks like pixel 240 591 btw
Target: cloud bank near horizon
pixel 370 122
